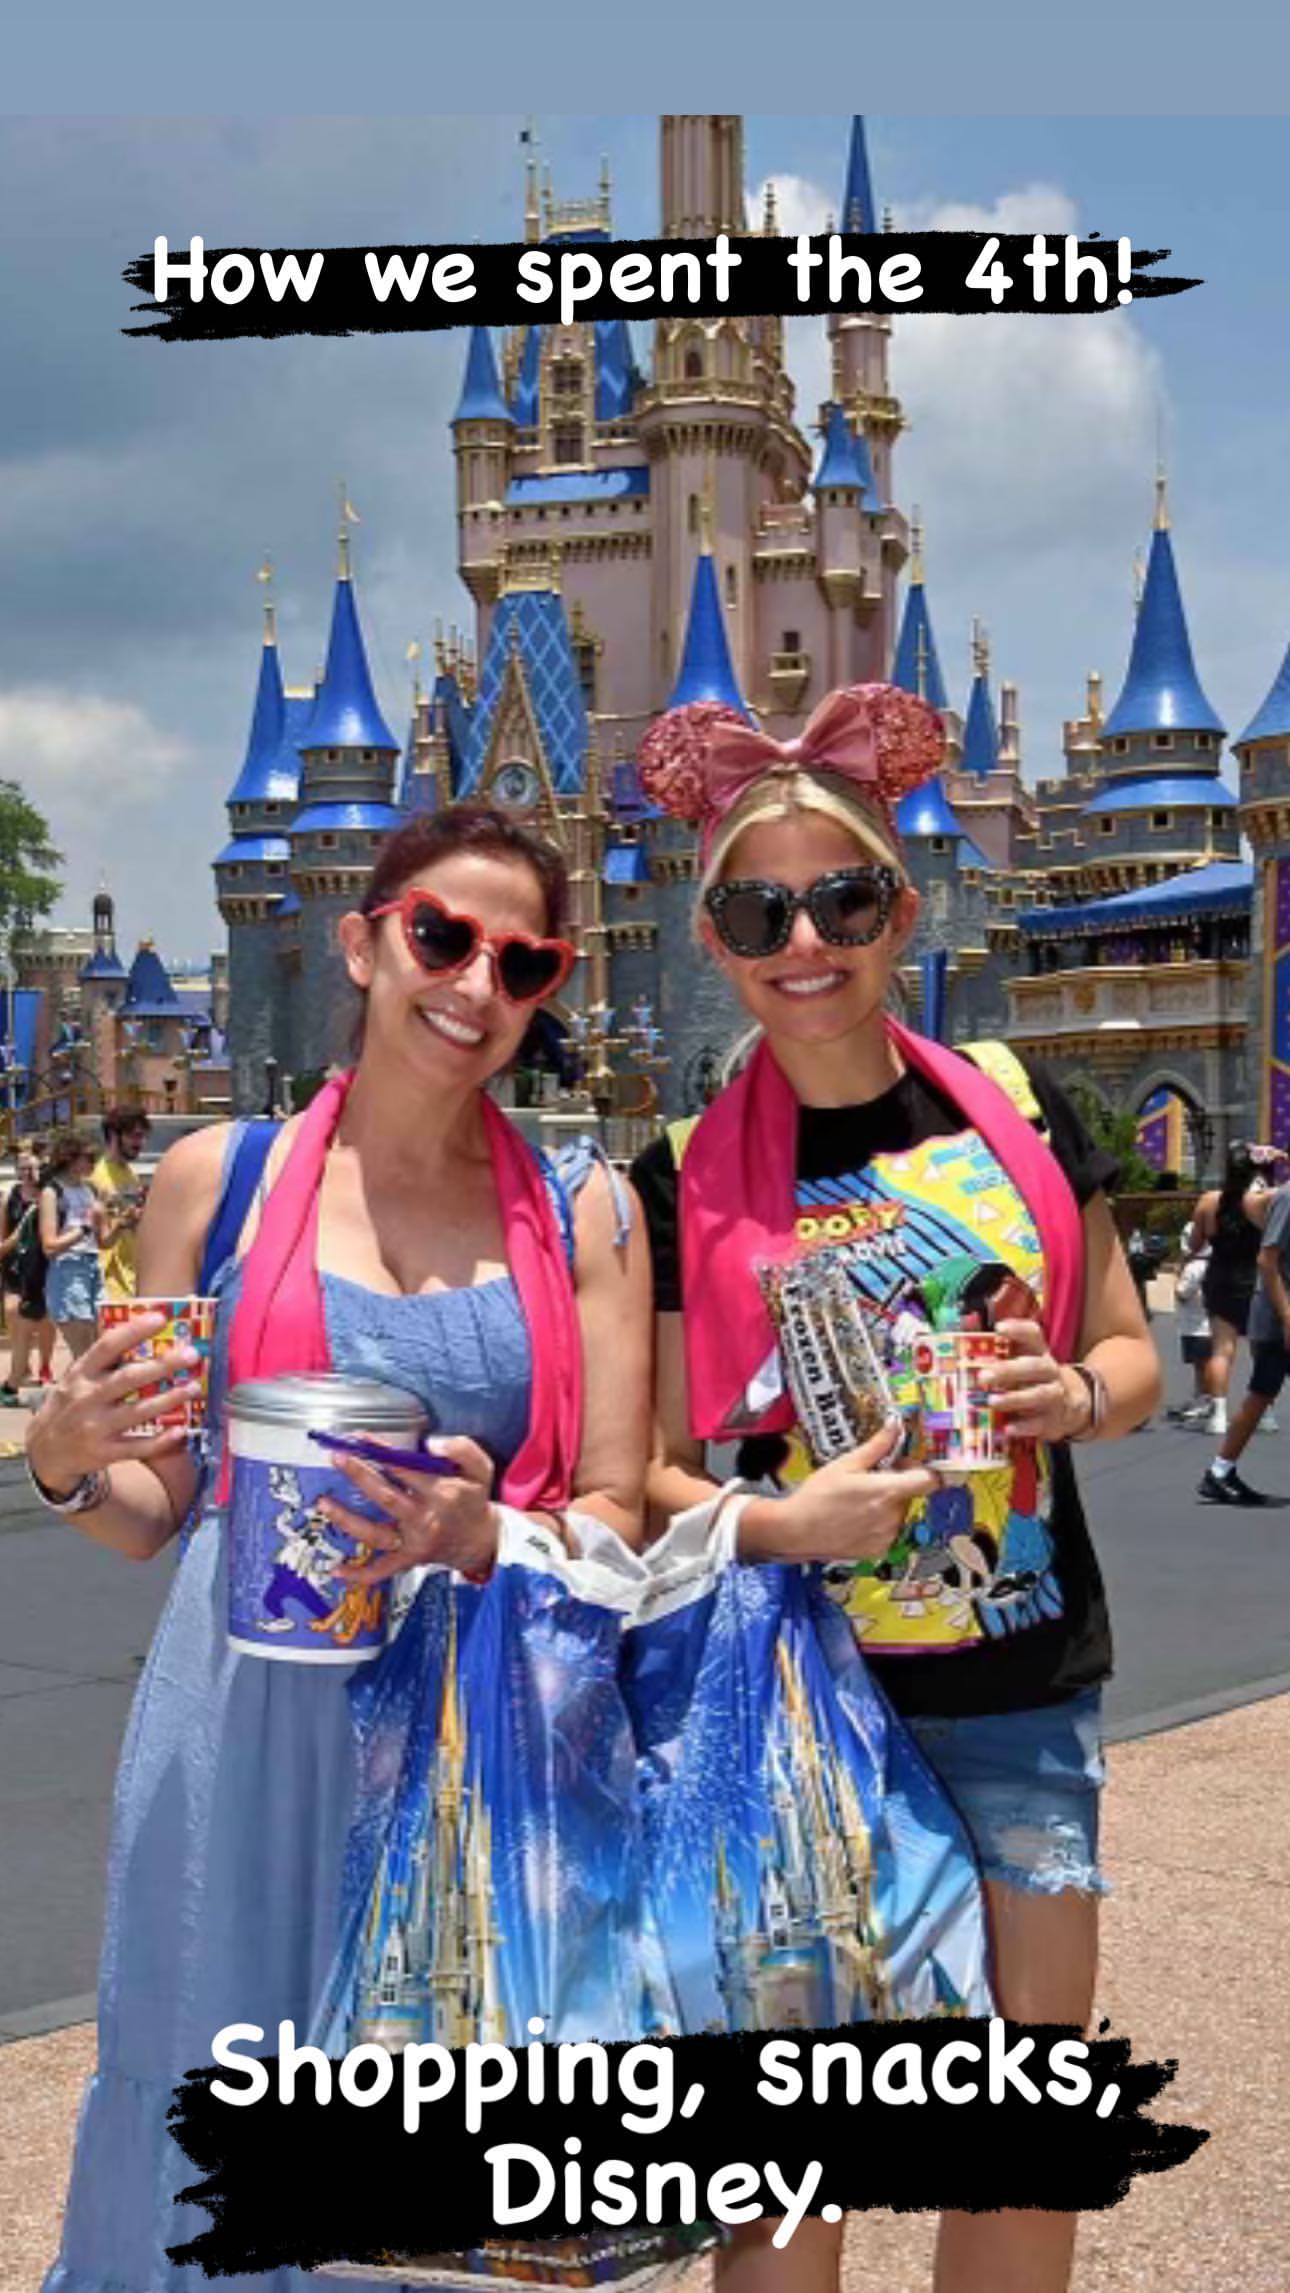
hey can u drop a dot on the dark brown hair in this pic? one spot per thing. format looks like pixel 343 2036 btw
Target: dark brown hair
pixel 65 1148
pixel 118 1119
pixel 434 836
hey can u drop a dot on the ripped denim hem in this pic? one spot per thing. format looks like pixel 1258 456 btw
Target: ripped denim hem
pixel 1044 1858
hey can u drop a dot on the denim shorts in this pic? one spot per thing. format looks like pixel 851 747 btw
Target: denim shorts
pixel 1026 1785
pixel 73 1287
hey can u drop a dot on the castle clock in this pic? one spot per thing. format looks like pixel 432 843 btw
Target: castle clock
pixel 517 786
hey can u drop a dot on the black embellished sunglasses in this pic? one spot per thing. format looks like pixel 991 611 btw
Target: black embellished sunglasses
pixel 848 908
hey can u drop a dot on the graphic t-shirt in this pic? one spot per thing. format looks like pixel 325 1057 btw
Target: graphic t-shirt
pixel 990 1599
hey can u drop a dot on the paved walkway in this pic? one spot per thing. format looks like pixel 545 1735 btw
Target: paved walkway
pixel 1196 1965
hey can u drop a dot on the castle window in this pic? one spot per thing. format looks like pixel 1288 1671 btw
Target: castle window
pixel 732 586
pixel 1107 824
pixel 940 844
pixel 566 378
pixel 1162 740
pixel 584 655
pixel 1203 740
pixel 1218 820
pixel 329 842
pixel 273 810
pixel 694 365
pixel 791 641
pixel 1120 747
pixel 566 442
pixel 276 868
pixel 1162 820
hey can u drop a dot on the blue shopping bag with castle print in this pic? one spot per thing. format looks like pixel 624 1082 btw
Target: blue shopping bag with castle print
pixel 806 1869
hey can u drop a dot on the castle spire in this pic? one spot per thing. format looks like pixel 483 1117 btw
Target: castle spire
pixel 858 211
pixel 916 665
pixel 980 731
pixel 1272 721
pixel 346 714
pixel 706 672
pixel 481 392
pixel 268 715
pixel 1161 691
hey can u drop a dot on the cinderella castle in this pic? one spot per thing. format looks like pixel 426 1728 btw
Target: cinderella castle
pixel 632 539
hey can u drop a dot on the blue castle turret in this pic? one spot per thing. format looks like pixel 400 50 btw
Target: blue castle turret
pixel 348 802
pixel 251 875
pixel 1161 799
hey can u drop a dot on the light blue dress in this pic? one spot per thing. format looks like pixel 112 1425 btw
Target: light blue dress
pixel 232 1810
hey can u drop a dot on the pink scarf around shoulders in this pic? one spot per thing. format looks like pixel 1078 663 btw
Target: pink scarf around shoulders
pixel 279 1327
pixel 738 1211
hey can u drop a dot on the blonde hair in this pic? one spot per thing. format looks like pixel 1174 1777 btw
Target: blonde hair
pixel 779 795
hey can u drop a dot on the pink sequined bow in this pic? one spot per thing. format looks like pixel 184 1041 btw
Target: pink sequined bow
pixel 698 761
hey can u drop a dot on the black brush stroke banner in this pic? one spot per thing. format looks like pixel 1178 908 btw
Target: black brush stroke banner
pixel 344 301
pixel 302 2184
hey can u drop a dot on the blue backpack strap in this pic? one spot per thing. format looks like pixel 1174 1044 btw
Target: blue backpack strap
pixel 248 1152
pixel 572 1166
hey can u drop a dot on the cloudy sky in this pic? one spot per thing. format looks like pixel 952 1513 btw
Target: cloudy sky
pixel 143 483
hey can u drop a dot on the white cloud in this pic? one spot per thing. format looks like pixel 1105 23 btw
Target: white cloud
pixel 76 753
pixel 1030 449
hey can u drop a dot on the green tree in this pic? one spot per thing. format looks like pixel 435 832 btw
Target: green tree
pixel 28 857
pixel 1116 1129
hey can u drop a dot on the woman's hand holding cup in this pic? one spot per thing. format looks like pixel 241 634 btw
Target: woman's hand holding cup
pixel 1038 1398
pixel 89 1420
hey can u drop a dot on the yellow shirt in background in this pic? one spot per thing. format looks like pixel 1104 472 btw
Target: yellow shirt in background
pixel 110 1177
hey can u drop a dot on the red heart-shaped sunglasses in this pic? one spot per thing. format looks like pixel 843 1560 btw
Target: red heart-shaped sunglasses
pixel 442 941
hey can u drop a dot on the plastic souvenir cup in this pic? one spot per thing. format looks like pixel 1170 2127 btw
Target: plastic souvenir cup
pixel 285 1599
pixel 948 1375
pixel 189 1322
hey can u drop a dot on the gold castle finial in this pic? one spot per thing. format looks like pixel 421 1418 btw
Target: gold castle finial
pixel 1094 702
pixel 769 213
pixel 348 516
pixel 412 655
pixel 606 191
pixel 440 661
pixel 1162 499
pixel 264 574
pixel 980 649
pixel 532 210
pixel 916 548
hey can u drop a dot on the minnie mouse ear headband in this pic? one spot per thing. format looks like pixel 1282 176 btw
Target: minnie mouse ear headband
pixel 869 744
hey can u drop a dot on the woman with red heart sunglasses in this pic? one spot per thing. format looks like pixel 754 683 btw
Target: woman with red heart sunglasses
pixel 405 1232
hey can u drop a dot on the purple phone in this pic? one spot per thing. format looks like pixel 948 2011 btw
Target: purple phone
pixel 379 1453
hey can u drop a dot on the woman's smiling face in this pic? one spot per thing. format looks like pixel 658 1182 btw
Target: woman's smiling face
pixel 809 991
pixel 453 1025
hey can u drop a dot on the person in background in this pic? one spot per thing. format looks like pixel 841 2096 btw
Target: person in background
pixel 71 1222
pixel 119 1187
pixel 1194 1340
pixel 1223 1219
pixel 24 1276
pixel 1269 1330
